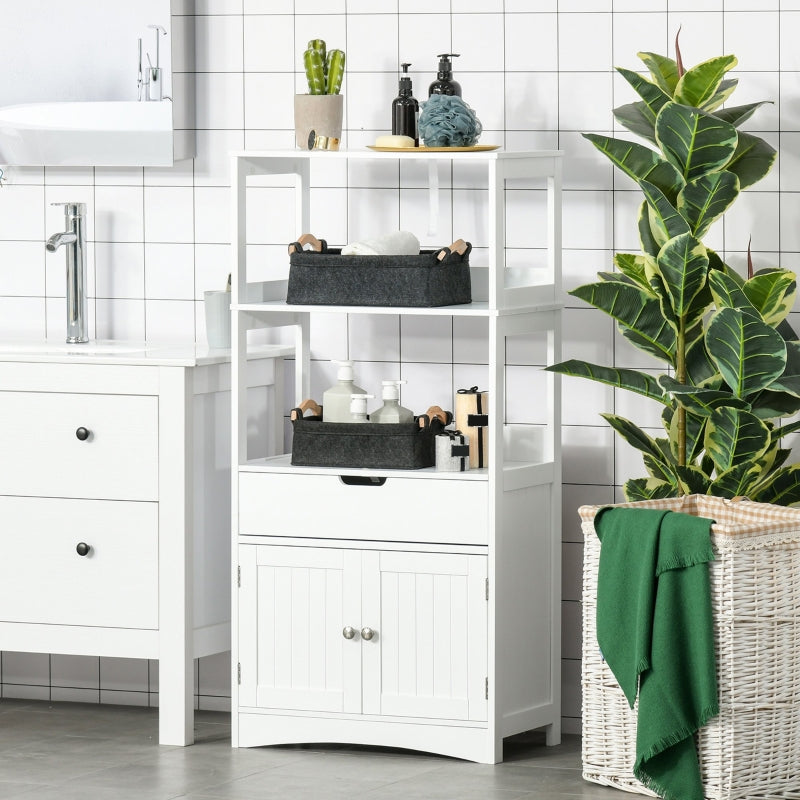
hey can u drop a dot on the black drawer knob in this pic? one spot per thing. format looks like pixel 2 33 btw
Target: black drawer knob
pixel 83 549
pixel 82 433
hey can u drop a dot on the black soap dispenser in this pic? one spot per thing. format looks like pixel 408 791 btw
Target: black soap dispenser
pixel 444 83
pixel 405 109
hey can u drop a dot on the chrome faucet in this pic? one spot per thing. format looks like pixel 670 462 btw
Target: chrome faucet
pixel 74 239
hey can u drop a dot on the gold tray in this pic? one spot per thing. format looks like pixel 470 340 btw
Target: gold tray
pixel 475 148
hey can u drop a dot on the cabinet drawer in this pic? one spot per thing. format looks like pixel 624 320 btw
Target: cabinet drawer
pixel 42 454
pixel 44 580
pixel 401 509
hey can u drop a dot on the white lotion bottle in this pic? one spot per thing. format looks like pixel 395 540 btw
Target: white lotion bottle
pixel 336 400
pixel 391 410
pixel 358 407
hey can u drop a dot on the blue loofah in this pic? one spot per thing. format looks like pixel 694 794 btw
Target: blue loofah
pixel 447 121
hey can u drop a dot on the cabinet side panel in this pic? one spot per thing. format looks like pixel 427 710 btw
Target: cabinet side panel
pixel 525 610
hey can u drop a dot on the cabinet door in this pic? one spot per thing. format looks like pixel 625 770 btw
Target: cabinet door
pixel 294 603
pixel 429 656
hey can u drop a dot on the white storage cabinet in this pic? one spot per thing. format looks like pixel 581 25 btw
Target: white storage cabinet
pixel 442 632
pixel 114 507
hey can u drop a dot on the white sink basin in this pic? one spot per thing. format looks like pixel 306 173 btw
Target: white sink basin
pixel 110 133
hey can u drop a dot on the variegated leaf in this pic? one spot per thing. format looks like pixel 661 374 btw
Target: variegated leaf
pixel 663 69
pixel 706 198
pixel 683 264
pixel 699 84
pixel 772 292
pixel 733 435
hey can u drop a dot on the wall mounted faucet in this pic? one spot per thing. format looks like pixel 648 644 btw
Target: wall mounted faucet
pixel 74 239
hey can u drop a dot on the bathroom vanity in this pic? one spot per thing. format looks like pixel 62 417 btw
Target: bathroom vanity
pixel 115 503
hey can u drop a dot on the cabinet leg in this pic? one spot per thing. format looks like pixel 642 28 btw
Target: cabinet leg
pixel 175 701
pixel 552 734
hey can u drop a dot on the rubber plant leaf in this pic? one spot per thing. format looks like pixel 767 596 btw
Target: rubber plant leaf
pixel 772 292
pixel 728 292
pixel 642 383
pixel 733 435
pixel 647 489
pixel 698 400
pixel 738 481
pixel 752 159
pixel 665 221
pixel 638 315
pixel 695 431
pixel 650 246
pixel 693 480
pixel 639 162
pixel 695 142
pixel 706 198
pixel 749 353
pixel 789 381
pixel 736 115
pixel 632 265
pixel 634 436
pixel 699 84
pixel 663 70
pixel 683 264
pixel 783 488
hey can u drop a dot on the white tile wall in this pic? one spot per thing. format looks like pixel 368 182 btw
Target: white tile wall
pixel 538 74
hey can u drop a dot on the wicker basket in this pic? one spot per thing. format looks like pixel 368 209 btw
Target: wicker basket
pixel 752 749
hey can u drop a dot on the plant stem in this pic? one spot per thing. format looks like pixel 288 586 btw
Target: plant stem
pixel 680 370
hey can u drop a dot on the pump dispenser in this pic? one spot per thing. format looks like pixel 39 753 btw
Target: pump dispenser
pixel 405 109
pixel 358 407
pixel 444 83
pixel 336 400
pixel 391 410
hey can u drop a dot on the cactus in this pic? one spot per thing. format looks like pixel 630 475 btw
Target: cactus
pixel 315 71
pixel 335 71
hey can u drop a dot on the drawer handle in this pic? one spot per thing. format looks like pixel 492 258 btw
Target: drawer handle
pixel 83 549
pixel 367 633
pixel 82 433
pixel 361 480
pixel 348 632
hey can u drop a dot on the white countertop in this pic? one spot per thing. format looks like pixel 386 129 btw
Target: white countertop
pixel 128 352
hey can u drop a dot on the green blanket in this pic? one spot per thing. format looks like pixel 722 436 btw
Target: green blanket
pixel 654 628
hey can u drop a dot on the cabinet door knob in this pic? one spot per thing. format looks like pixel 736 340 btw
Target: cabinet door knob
pixel 83 549
pixel 82 433
pixel 367 633
pixel 348 632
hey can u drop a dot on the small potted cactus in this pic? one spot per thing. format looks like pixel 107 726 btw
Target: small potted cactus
pixel 318 114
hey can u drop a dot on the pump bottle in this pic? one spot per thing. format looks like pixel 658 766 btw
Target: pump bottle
pixel 405 109
pixel 336 400
pixel 358 407
pixel 391 410
pixel 444 83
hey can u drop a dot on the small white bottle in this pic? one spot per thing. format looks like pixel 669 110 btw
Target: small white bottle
pixel 358 407
pixel 336 400
pixel 391 410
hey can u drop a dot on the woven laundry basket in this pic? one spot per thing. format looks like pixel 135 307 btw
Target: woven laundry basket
pixel 752 749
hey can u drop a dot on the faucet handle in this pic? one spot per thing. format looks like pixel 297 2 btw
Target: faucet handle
pixel 72 209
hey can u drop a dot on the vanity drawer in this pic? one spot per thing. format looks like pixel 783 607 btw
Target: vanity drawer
pixel 44 580
pixel 117 458
pixel 398 510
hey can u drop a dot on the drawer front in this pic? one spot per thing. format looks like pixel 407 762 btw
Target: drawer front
pixel 43 454
pixel 44 580
pixel 399 510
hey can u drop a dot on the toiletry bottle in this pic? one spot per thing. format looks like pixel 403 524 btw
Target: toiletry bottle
pixel 391 410
pixel 358 407
pixel 444 83
pixel 405 109
pixel 336 400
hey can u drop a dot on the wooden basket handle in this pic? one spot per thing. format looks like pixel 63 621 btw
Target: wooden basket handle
pixel 306 238
pixel 459 246
pixel 437 412
pixel 306 405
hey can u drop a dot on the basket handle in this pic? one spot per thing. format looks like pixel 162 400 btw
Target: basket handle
pixel 459 246
pixel 437 412
pixel 306 405
pixel 306 238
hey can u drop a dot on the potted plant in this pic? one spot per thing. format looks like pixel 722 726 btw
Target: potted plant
pixel 732 361
pixel 318 114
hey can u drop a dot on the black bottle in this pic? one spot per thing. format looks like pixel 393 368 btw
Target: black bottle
pixel 444 83
pixel 405 109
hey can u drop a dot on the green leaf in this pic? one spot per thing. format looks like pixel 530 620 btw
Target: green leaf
pixel 736 115
pixel 769 405
pixel 683 264
pixel 695 142
pixel 647 489
pixel 725 90
pixel 634 436
pixel 772 292
pixel 650 246
pixel 641 117
pixel 785 430
pixel 700 83
pixel 737 481
pixel 789 381
pixel 783 488
pixel 635 117
pixel 665 221
pixel 748 352
pixel 706 198
pixel 699 366
pixel 639 162
pixel 733 435
pixel 633 267
pixel 752 159
pixel 630 379
pixel 698 400
pixel 638 314
pixel 664 70
pixel 729 292
pixel 695 428
pixel 693 480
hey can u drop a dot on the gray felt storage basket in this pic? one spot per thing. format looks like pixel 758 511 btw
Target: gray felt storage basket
pixel 324 276
pixel 368 445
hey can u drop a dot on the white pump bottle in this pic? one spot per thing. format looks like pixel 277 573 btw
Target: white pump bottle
pixel 336 400
pixel 391 410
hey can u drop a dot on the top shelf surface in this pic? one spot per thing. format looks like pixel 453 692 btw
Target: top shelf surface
pixel 411 153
